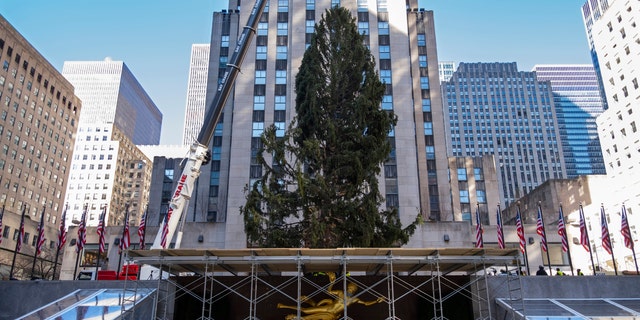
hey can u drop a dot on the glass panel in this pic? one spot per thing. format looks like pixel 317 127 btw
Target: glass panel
pixel 60 304
pixel 595 308
pixel 92 304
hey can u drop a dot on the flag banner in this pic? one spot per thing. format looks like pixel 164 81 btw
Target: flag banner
pixel 562 231
pixel 540 230
pixel 479 241
pixel 520 231
pixel 500 230
pixel 21 232
pixel 82 230
pixel 141 229
pixel 62 231
pixel 606 240
pixel 41 239
pixel 626 230
pixel 584 235
pixel 125 241
pixel 100 230
pixel 165 229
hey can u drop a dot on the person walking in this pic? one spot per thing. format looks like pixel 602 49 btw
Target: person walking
pixel 541 271
pixel 559 272
pixel 580 273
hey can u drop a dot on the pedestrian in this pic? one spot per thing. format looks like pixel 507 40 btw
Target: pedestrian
pixel 559 272
pixel 541 271
pixel 580 272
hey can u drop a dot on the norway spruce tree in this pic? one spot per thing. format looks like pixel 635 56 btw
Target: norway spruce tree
pixel 319 187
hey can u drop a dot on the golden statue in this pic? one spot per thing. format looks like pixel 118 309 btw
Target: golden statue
pixel 328 309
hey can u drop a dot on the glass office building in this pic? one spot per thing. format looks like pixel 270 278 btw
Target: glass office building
pixel 578 103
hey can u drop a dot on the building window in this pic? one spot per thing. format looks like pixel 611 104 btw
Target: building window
pixel 464 196
pixel 462 174
pixel 481 196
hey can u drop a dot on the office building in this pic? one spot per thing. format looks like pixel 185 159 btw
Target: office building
pixel 196 92
pixel 493 108
pixel 403 43
pixel 578 103
pixel 107 167
pixel 38 123
pixel 615 42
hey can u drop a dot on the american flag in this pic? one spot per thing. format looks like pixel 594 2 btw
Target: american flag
pixel 500 230
pixel 62 232
pixel 82 231
pixel 125 241
pixel 520 231
pixel 165 229
pixel 1 215
pixel 584 235
pixel 562 231
pixel 21 232
pixel 606 240
pixel 141 229
pixel 100 230
pixel 540 230
pixel 479 242
pixel 626 231
pixel 41 238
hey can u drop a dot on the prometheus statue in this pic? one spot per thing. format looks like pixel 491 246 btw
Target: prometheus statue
pixel 328 309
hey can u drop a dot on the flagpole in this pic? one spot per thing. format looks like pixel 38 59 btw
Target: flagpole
pixel 604 226
pixel 79 241
pixel 633 251
pixel 40 234
pixel 75 269
pixel 101 237
pixel 60 244
pixel 124 228
pixel 564 236
pixel 544 236
pixel 526 255
pixel 586 233
pixel 15 252
pixel 628 239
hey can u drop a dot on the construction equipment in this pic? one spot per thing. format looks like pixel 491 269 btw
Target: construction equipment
pixel 199 153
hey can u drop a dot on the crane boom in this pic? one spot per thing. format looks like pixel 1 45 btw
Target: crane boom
pixel 199 152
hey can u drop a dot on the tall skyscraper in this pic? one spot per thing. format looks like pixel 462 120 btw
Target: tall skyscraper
pixel 196 92
pixel 402 39
pixel 615 41
pixel 107 167
pixel 493 108
pixel 576 95
pixel 38 121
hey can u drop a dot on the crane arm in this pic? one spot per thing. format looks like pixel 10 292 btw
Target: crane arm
pixel 199 153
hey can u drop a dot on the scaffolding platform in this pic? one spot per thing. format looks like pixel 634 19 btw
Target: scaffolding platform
pixel 409 283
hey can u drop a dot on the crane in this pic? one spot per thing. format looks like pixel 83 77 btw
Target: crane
pixel 199 153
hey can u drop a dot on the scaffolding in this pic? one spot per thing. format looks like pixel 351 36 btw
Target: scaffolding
pixel 267 283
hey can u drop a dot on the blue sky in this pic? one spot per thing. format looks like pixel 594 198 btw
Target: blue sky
pixel 154 37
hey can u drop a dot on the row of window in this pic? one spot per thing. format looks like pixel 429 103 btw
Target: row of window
pixel 32 72
pixel 25 240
